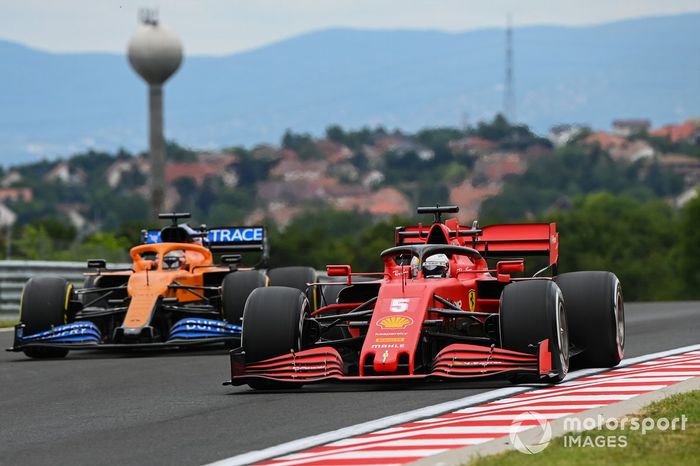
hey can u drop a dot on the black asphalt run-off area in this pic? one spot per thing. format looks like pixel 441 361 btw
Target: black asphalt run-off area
pixel 171 409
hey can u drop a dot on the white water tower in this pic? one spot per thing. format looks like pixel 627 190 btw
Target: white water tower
pixel 155 53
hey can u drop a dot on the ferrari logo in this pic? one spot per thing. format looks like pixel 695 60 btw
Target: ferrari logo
pixel 472 300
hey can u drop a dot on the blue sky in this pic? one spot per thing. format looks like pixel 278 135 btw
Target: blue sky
pixel 218 27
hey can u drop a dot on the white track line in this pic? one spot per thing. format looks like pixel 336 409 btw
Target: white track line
pixel 421 413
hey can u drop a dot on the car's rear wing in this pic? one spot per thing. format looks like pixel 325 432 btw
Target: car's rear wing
pixel 219 239
pixel 508 240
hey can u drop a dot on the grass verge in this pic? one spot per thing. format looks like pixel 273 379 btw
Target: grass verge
pixel 8 323
pixel 655 447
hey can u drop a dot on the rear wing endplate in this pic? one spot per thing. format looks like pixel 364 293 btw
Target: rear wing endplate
pixel 525 239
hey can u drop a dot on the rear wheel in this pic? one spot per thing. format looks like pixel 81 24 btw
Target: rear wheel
pixel 596 311
pixel 328 294
pixel 44 304
pixel 532 311
pixel 295 277
pixel 91 281
pixel 273 324
pixel 235 289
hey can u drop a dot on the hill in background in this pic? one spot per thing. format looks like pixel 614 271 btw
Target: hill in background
pixel 57 104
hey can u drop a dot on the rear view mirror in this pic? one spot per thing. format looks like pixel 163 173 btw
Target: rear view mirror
pixel 231 259
pixel 97 264
pixel 510 266
pixel 340 271
pixel 505 268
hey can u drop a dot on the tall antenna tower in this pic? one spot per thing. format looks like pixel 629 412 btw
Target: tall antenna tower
pixel 509 85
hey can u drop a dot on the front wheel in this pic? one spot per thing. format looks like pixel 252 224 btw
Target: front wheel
pixel 532 311
pixel 44 305
pixel 273 325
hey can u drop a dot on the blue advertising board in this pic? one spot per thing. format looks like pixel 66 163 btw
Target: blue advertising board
pixel 228 235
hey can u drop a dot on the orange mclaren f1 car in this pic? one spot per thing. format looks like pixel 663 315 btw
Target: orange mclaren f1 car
pixel 173 295
pixel 448 305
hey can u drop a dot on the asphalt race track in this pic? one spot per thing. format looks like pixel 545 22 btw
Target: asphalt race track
pixel 171 409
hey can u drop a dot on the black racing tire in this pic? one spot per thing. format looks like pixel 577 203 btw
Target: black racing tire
pixel 328 294
pixel 235 289
pixel 273 325
pixel 90 281
pixel 296 277
pixel 596 311
pixel 44 304
pixel 532 311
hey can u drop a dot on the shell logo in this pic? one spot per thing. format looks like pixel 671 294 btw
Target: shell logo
pixel 395 322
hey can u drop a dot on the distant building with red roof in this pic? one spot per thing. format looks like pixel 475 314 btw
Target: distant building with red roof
pixel 605 140
pixel 388 201
pixel 630 127
pixel 473 145
pixel 687 131
pixel 561 135
pixel 333 152
pixel 384 202
pixel 294 169
pixel 495 167
pixel 193 170
pixel 632 151
pixel 469 199
pixel 16 194
pixel 209 165
pixel 686 166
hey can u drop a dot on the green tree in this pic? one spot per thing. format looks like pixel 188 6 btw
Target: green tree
pixel 302 144
pixel 106 246
pixel 33 243
pixel 630 238
pixel 570 172
pixel 176 152
pixel 336 134
pixel 689 248
pixel 251 169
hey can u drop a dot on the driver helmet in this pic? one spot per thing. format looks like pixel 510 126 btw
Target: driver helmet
pixel 436 266
pixel 174 260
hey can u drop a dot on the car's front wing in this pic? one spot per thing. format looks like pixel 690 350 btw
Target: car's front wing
pixel 456 361
pixel 86 335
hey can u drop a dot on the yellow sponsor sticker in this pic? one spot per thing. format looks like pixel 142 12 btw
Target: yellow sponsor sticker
pixel 472 300
pixel 390 340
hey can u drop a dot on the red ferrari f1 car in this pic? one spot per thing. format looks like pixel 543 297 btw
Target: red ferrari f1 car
pixel 438 311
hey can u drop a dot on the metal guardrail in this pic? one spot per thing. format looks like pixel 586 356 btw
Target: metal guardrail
pixel 14 274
